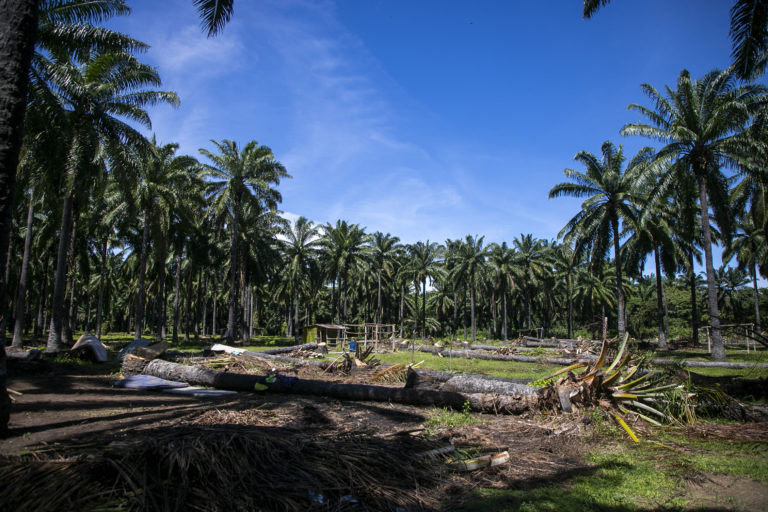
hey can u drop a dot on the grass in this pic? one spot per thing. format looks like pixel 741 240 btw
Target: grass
pixel 624 476
pixel 510 369
pixel 446 418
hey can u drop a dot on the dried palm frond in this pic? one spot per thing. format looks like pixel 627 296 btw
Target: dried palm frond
pixel 227 468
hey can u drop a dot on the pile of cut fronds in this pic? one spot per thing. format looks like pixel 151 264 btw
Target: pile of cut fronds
pixel 226 468
pixel 617 388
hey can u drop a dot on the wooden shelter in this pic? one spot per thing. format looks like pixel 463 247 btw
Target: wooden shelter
pixel 329 334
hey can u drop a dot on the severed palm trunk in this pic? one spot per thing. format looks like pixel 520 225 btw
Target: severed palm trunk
pixel 22 290
pixel 718 349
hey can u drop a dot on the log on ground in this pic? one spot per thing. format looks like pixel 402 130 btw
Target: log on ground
pixel 479 402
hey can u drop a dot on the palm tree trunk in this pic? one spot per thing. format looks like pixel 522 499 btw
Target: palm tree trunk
pixel 139 319
pixel 619 280
pixel 213 312
pixel 569 284
pixel 455 315
pixel 188 303
pixel 69 319
pixel 205 303
pixel 528 321
pixel 694 307
pixel 21 293
pixel 756 298
pixel 504 316
pixel 296 315
pixel 718 349
pixel 402 302
pixel 472 308
pixel 177 298
pixel 59 286
pixel 423 308
pixel 378 298
pixel 233 273
pixel 493 314
pixel 102 281
pixel 659 305
pixel 40 318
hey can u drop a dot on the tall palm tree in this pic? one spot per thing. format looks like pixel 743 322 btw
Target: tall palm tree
pixel 155 181
pixel 98 98
pixel 703 124
pixel 344 246
pixel 383 249
pixel 610 191
pixel 236 179
pixel 302 242
pixel 425 261
pixel 470 260
pixel 750 247
pixel 530 264
pixel 565 264
pixel 502 260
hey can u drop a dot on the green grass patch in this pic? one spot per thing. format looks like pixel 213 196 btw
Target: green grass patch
pixel 449 418
pixel 510 369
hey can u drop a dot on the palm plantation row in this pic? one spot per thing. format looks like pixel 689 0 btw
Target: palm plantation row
pixel 115 231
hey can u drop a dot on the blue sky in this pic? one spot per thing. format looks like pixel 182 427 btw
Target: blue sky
pixel 424 119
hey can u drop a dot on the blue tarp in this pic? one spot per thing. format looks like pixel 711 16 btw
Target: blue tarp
pixel 147 382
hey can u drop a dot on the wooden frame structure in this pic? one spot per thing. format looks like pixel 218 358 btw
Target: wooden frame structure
pixel 367 332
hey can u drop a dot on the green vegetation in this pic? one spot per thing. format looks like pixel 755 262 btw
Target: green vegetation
pixel 628 476
pixel 449 418
pixel 509 369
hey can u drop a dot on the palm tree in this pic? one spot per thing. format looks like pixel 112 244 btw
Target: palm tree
pixel 502 260
pixel 751 250
pixel 344 246
pixel 610 192
pixel 302 242
pixel 530 264
pixel 383 249
pixel 157 181
pixel 94 98
pixel 236 179
pixel 565 264
pixel 470 259
pixel 425 261
pixel 702 123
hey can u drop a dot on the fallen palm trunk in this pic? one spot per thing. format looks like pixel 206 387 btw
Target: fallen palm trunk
pixel 463 383
pixel 582 358
pixel 479 402
pixel 285 350
pixel 498 357
pixel 707 364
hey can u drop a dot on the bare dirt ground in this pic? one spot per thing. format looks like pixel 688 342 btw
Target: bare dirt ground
pixel 63 408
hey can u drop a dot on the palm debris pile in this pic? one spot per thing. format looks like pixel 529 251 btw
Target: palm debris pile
pixel 227 468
